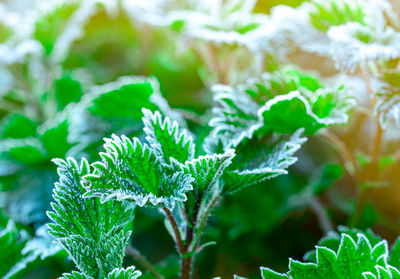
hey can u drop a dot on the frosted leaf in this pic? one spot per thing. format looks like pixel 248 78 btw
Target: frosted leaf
pixel 256 163
pixel 206 170
pixel 387 106
pixel 235 118
pixel 270 104
pixel 354 258
pixel 93 233
pixel 219 22
pixel 354 44
pixel 131 171
pixel 166 138
pixel 124 273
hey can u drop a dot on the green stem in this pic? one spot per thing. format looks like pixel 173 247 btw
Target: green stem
pixel 323 218
pixel 186 262
pixel 347 158
pixel 135 253
pixel 204 221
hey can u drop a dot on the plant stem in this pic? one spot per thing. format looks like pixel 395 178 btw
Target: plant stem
pixel 186 267
pixel 204 220
pixel 135 253
pixel 372 171
pixel 377 148
pixel 174 225
pixel 323 219
pixel 347 158
pixel 186 261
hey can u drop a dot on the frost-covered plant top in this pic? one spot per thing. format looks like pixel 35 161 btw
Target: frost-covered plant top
pixel 94 203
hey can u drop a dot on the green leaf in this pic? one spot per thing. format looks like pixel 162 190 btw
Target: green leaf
pixel 50 25
pixel 35 252
pixel 11 244
pixel 18 126
pixel 235 118
pixel 326 14
pixel 55 138
pixel 6 32
pixel 28 151
pixel 363 160
pixel 394 259
pixel 237 180
pixel 353 259
pixel 124 273
pixel 332 240
pixel 206 170
pixel 93 233
pixel 386 161
pixel 281 102
pixel 279 114
pixel 353 255
pixel 166 139
pixel 125 102
pixel 67 90
pixel 75 275
pixel 256 163
pixel 131 171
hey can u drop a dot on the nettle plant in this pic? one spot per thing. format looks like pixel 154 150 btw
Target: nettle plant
pixel 183 165
pixel 94 203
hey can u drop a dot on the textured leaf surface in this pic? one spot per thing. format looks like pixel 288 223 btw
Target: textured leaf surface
pixel 166 139
pixel 235 118
pixel 124 273
pixel 93 233
pixel 255 163
pixel 206 172
pixel 333 13
pixel 281 102
pixel 356 257
pixel 131 171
